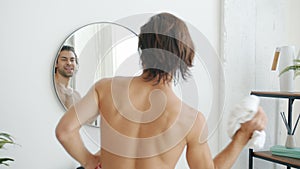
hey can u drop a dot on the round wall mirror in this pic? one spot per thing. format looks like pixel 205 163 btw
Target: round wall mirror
pixel 90 53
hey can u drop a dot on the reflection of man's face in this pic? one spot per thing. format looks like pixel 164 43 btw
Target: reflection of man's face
pixel 66 63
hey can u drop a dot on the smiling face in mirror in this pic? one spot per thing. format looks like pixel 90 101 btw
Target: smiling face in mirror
pixel 66 63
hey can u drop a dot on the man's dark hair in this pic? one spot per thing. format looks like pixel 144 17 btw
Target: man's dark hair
pixel 70 48
pixel 167 50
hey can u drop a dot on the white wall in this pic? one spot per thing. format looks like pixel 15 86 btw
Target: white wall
pixel 31 33
pixel 251 32
pixel 239 60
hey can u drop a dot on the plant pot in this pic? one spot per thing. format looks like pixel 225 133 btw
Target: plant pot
pixel 290 141
pixel 286 82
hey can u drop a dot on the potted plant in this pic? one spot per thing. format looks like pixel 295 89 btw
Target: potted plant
pixel 295 67
pixel 5 138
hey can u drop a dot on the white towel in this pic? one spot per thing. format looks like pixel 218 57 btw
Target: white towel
pixel 242 113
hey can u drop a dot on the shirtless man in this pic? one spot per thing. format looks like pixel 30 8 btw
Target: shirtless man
pixel 65 68
pixel 144 125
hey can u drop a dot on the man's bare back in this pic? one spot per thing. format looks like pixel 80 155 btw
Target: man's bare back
pixel 122 103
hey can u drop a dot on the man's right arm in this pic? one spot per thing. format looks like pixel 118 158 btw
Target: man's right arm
pixel 198 153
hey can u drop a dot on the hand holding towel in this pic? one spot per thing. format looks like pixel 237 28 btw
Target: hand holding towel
pixel 242 113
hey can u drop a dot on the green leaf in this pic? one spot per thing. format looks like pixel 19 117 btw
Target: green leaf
pixel 5 139
pixel 4 160
pixel 293 67
pixel 2 143
pixel 297 61
pixel 5 136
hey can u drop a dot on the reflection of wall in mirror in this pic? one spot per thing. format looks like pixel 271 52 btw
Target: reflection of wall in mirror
pixel 102 48
pixel 88 41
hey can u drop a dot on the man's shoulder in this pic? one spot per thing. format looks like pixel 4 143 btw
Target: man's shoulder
pixel 109 80
pixel 112 83
pixel 186 107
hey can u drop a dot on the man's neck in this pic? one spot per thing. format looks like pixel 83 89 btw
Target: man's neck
pixel 64 81
pixel 154 81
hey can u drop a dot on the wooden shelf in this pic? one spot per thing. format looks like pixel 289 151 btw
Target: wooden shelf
pixel 267 155
pixel 291 95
